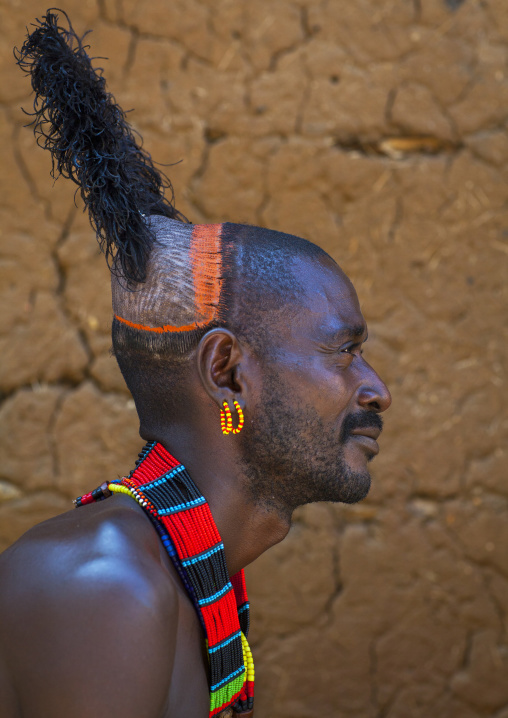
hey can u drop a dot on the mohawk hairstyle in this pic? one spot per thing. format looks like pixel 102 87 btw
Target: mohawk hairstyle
pixel 92 144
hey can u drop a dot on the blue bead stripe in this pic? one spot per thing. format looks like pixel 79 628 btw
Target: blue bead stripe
pixel 228 678
pixel 224 642
pixel 182 507
pixel 164 478
pixel 243 608
pixel 203 555
pixel 168 545
pixel 212 599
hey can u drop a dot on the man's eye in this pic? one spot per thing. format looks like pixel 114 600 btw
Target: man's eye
pixel 354 349
pixel 348 352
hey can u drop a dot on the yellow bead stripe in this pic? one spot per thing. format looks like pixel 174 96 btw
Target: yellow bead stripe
pixel 119 489
pixel 247 659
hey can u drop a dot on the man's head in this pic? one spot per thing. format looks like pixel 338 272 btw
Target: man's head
pixel 288 348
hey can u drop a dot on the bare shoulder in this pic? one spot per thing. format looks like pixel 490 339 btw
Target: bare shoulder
pixel 88 615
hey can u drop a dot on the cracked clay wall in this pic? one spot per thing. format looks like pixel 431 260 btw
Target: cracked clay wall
pixel 376 128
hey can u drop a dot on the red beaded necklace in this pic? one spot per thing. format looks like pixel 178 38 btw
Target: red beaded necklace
pixel 182 518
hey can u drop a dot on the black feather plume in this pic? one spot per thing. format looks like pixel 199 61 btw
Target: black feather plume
pixel 92 144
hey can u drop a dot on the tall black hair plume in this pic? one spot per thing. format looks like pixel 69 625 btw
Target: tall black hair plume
pixel 92 144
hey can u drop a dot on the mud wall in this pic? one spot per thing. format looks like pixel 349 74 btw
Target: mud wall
pixel 376 129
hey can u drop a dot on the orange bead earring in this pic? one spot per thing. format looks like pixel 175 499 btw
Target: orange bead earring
pixel 226 420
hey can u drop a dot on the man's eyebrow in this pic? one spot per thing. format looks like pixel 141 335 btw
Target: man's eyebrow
pixel 358 331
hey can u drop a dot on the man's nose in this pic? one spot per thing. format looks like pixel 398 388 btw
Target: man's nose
pixel 373 393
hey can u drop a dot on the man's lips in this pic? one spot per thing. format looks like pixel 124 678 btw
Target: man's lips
pixel 370 431
pixel 367 438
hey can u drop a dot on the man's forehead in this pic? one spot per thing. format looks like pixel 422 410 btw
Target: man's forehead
pixel 329 303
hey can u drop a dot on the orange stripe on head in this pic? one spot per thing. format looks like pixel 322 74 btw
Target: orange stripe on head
pixel 206 263
pixel 165 328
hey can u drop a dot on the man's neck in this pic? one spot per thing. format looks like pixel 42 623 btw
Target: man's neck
pixel 247 527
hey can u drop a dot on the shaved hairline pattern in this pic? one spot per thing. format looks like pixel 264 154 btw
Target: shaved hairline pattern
pixel 206 265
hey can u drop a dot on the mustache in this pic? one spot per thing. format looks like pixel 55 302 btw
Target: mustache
pixel 360 420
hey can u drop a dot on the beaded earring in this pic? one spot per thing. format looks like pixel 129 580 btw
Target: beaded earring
pixel 226 421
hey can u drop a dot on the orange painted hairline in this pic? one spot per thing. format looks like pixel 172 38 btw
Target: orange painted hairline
pixel 206 262
pixel 165 328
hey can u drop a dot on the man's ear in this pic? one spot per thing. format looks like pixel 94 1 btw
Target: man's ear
pixel 219 358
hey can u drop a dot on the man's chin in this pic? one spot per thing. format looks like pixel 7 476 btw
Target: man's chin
pixel 354 487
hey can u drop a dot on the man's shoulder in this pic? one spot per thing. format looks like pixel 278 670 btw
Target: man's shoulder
pixel 110 547
pixel 83 595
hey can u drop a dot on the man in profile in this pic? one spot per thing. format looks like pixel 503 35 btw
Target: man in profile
pixel 242 348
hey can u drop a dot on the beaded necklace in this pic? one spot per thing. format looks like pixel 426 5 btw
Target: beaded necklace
pixel 182 518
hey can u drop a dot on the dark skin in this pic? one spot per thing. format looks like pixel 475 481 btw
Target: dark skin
pixel 98 621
